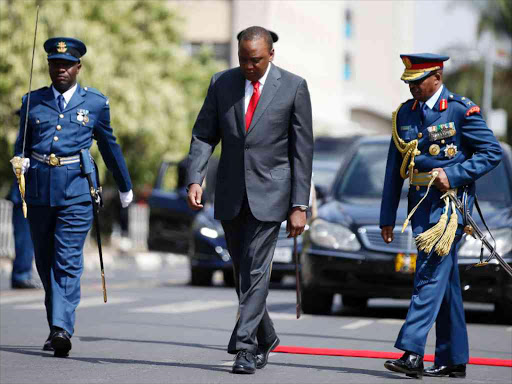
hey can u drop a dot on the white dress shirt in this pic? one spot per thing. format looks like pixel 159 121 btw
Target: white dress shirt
pixel 433 100
pixel 249 88
pixel 67 95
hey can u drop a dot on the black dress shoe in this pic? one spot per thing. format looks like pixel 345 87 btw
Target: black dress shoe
pixel 61 343
pixel 25 284
pixel 263 352
pixel 244 363
pixel 410 363
pixel 47 346
pixel 444 370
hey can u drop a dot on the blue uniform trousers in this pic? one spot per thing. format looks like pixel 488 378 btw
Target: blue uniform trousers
pixel 437 297
pixel 59 235
pixel 22 264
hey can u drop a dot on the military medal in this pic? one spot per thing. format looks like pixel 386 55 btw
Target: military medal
pixel 450 151
pixel 441 131
pixel 434 150
pixel 81 115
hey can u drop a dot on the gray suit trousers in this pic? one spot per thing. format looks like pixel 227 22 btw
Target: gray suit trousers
pixel 251 244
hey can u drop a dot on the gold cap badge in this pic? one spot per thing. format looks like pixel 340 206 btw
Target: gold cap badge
pixel 407 62
pixel 61 47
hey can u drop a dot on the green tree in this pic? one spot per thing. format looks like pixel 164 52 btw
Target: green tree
pixel 134 56
pixel 496 17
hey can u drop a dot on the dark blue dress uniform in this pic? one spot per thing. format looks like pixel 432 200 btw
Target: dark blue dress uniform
pixel 57 194
pixel 453 136
pixel 24 250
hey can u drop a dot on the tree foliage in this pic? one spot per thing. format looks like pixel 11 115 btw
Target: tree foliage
pixel 135 56
pixel 496 17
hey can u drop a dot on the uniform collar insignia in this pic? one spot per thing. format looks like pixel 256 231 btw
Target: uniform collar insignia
pixel 414 105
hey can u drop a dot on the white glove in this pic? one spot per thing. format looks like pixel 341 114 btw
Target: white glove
pixel 126 198
pixel 24 165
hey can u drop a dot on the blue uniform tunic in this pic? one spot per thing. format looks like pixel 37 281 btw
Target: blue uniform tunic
pixel 58 198
pixel 437 294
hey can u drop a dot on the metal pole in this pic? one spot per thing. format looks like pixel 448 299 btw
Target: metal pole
pixel 488 76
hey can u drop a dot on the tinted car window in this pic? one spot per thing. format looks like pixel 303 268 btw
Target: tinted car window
pixel 364 177
pixel 495 186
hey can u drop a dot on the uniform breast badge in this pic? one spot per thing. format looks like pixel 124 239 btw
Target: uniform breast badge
pixel 81 115
pixel 450 151
pixel 434 149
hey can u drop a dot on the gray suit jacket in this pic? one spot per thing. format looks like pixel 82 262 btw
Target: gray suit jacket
pixel 272 162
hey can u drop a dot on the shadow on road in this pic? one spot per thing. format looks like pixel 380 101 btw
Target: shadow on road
pixel 100 360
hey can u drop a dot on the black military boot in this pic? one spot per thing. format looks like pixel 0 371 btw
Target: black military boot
pixel 458 370
pixel 410 363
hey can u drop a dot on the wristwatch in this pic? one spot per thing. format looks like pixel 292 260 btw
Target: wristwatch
pixel 303 208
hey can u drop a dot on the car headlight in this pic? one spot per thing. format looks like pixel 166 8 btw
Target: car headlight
pixel 471 246
pixel 330 235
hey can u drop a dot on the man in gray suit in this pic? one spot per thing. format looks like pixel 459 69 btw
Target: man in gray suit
pixel 262 114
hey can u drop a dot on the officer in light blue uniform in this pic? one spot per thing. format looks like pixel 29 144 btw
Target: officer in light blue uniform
pixel 436 131
pixel 21 275
pixel 63 119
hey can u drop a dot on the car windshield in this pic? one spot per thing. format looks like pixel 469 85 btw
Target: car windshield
pixel 364 178
pixel 325 171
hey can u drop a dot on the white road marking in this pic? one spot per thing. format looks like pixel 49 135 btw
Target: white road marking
pixel 187 306
pixel 509 329
pixel 148 261
pixel 36 296
pixel 391 321
pixel 357 324
pixel 285 316
pixel 86 302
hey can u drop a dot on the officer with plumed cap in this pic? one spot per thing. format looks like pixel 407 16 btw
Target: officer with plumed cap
pixel 440 144
pixel 63 119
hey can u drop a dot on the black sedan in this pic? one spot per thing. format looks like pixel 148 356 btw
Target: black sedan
pixel 344 252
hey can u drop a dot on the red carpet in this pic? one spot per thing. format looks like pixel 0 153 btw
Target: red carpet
pixel 380 355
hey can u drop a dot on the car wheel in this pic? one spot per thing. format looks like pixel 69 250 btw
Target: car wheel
pixel 229 279
pixel 315 302
pixel 354 301
pixel 503 311
pixel 200 276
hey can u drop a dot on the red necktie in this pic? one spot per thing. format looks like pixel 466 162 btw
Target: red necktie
pixel 252 104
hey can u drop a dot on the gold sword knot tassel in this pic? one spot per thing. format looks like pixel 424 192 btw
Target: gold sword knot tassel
pixel 17 164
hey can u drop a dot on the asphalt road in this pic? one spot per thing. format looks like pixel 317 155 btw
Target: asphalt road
pixel 156 328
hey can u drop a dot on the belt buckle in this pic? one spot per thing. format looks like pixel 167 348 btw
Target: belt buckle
pixel 54 160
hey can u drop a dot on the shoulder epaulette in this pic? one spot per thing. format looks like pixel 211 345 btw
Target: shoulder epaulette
pixel 95 91
pixel 470 107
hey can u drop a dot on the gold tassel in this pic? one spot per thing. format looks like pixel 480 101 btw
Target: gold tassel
pixel 427 240
pixel 444 245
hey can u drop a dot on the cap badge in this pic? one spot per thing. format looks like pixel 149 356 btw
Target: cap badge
pixel 407 62
pixel 61 47
pixel 434 150
pixel 450 151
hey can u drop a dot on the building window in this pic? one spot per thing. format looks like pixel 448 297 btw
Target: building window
pixel 348 24
pixel 347 67
pixel 221 51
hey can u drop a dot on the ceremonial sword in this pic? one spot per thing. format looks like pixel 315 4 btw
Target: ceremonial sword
pixel 17 162
pixel 475 230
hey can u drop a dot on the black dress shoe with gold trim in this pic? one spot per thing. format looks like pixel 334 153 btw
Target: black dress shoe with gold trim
pixel 458 370
pixel 245 362
pixel 61 343
pixel 264 351
pixel 410 363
